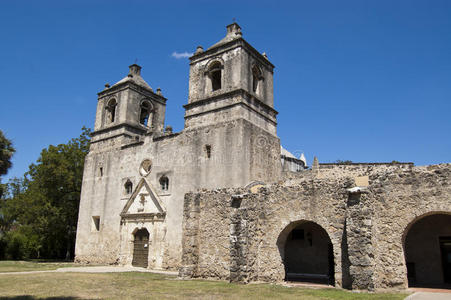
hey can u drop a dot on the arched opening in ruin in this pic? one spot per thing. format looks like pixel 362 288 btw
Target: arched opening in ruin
pixel 427 250
pixel 307 253
pixel 141 248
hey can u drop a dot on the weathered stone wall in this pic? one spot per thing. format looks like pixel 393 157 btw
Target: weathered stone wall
pixel 240 153
pixel 212 261
pixel 359 169
pixel 263 220
pixel 400 199
pixel 366 228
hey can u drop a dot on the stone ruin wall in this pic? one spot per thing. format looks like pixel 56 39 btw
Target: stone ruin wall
pixel 398 200
pixel 246 243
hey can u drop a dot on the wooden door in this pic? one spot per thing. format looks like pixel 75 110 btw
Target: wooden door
pixel 141 249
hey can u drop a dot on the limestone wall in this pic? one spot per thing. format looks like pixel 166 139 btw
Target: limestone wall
pixel 365 228
pixel 263 220
pixel 240 153
pixel 212 261
pixel 400 199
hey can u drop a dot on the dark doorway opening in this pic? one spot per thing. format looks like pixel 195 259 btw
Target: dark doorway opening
pixel 308 254
pixel 445 249
pixel 427 249
pixel 141 248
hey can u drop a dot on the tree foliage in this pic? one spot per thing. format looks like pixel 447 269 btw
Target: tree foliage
pixel 343 162
pixel 41 211
pixel 6 152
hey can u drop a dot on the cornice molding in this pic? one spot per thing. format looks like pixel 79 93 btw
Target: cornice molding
pixel 118 126
pixel 239 42
pixel 134 87
pixel 230 94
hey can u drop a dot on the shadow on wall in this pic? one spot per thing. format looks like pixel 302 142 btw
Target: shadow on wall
pixel 345 263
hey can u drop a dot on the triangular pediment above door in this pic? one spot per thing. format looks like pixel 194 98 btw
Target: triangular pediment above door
pixel 144 203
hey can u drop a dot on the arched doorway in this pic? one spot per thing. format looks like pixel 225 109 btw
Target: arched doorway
pixel 307 253
pixel 427 250
pixel 141 248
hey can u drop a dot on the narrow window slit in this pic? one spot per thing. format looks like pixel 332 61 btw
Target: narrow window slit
pixel 208 150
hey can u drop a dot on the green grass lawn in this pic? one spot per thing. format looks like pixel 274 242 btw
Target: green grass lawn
pixel 22 266
pixel 155 286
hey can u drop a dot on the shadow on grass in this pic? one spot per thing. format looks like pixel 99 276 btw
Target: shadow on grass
pixel 49 260
pixel 38 260
pixel 28 297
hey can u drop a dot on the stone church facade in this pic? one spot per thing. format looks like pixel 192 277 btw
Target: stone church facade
pixel 222 199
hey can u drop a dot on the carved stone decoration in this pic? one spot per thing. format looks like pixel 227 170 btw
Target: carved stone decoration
pixel 144 204
pixel 145 168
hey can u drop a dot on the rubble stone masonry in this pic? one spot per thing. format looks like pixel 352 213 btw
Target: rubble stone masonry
pixel 237 235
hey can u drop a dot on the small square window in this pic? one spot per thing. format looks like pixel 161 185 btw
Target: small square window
pixel 164 183
pixel 128 187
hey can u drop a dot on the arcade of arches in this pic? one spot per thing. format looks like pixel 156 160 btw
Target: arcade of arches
pixel 308 252
pixel 321 227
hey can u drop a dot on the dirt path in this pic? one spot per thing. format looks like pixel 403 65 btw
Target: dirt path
pixel 429 296
pixel 96 269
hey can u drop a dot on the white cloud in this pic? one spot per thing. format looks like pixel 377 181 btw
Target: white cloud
pixel 181 55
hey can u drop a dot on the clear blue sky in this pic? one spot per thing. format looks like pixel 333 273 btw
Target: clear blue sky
pixel 354 80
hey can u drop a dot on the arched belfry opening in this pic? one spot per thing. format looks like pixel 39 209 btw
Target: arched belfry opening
pixel 256 78
pixel 145 115
pixel 111 111
pixel 215 75
pixel 141 248
pixel 427 250
pixel 307 253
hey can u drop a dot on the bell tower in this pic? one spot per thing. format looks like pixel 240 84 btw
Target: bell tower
pixel 127 111
pixel 230 80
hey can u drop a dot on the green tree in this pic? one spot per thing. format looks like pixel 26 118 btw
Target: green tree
pixel 6 153
pixel 343 162
pixel 13 189
pixel 44 205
